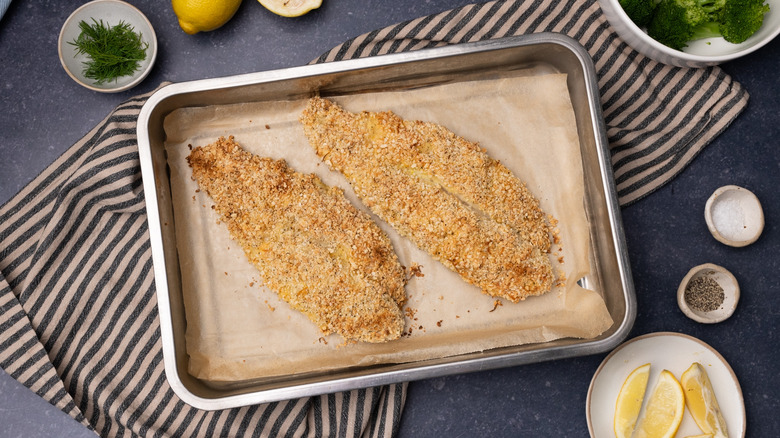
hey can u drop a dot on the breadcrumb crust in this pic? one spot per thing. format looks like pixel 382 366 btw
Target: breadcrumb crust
pixel 442 192
pixel 322 255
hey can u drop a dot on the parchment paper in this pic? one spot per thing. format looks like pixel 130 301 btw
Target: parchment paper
pixel 239 330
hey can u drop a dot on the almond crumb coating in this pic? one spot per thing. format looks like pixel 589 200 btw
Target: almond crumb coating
pixel 322 255
pixel 442 192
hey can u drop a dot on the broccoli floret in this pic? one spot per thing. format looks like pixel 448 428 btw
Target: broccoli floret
pixel 709 29
pixel 675 21
pixel 639 11
pixel 712 8
pixel 739 19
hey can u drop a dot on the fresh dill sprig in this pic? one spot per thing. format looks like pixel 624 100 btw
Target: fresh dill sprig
pixel 113 51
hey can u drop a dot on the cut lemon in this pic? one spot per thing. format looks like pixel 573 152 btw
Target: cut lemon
pixel 701 401
pixel 629 401
pixel 290 8
pixel 664 410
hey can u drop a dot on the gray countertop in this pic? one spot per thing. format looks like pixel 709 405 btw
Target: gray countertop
pixel 44 112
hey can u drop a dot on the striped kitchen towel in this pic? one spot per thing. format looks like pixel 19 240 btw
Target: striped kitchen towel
pixel 78 315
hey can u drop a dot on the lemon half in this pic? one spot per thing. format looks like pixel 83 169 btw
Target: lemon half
pixel 664 410
pixel 701 401
pixel 629 401
pixel 290 8
pixel 204 15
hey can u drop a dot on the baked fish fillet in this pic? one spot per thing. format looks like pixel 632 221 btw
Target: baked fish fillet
pixel 442 192
pixel 322 255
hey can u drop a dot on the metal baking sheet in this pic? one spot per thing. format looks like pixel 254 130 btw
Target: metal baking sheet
pixel 444 65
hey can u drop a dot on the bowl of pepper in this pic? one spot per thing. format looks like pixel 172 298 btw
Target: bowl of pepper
pixel 708 294
pixel 107 46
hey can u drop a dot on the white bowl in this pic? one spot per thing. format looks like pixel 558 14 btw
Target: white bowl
pixel 111 12
pixel 727 282
pixel 663 351
pixel 734 216
pixel 699 53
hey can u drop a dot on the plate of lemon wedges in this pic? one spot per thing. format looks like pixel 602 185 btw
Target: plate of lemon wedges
pixel 666 385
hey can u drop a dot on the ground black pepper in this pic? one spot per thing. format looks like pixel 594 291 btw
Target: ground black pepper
pixel 704 294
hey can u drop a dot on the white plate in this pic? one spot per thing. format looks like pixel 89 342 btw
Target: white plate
pixel 111 12
pixel 664 350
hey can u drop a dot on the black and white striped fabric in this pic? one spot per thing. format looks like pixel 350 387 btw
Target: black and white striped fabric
pixel 78 315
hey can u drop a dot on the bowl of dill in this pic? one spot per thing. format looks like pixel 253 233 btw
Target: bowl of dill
pixel 107 46
pixel 694 33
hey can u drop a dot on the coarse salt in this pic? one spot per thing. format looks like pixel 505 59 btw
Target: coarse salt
pixel 729 218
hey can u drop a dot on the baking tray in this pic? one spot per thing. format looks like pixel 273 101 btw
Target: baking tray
pixel 450 64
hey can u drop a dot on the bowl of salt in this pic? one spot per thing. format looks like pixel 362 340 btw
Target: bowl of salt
pixel 708 294
pixel 734 216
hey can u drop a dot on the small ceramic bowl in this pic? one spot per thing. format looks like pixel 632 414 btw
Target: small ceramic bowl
pixel 726 281
pixel 699 53
pixel 111 12
pixel 734 216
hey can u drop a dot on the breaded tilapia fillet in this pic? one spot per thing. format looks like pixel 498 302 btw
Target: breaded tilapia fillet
pixel 322 255
pixel 442 192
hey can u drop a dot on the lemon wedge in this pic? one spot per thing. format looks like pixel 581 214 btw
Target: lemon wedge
pixel 664 410
pixel 701 401
pixel 629 401
pixel 290 8
pixel 203 15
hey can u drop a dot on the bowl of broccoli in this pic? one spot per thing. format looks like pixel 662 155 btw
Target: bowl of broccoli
pixel 694 33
